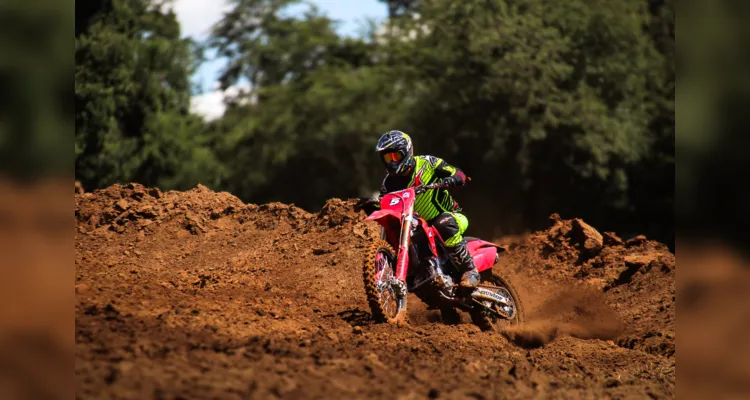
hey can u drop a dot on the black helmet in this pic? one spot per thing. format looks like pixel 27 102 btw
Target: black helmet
pixel 396 152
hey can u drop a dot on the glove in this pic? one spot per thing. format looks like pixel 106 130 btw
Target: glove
pixel 451 181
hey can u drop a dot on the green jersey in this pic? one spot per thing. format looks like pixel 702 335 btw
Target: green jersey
pixel 427 170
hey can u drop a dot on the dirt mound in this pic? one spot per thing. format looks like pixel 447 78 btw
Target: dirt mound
pixel 336 212
pixel 134 207
pixel 195 294
pixel 634 278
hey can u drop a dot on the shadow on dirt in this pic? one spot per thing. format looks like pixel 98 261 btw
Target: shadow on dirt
pixel 356 317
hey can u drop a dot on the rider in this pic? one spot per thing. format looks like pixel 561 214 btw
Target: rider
pixel 436 206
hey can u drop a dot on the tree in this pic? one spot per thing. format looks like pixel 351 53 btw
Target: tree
pixel 550 103
pixel 305 130
pixel 132 98
pixel 549 106
pixel 400 7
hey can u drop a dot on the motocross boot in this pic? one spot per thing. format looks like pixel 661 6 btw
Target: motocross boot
pixel 461 257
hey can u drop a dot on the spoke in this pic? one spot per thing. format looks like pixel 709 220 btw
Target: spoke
pixel 384 273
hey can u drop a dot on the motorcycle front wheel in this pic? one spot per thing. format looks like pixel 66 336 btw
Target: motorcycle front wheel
pixel 378 272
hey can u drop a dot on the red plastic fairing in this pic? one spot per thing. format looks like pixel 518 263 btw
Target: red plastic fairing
pixel 382 213
pixel 484 253
pixel 484 258
pixel 474 245
pixel 430 232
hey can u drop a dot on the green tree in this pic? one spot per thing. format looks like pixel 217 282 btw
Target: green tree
pixel 548 104
pixel 132 98
pixel 304 131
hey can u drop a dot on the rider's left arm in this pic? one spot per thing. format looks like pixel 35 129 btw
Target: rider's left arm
pixel 449 174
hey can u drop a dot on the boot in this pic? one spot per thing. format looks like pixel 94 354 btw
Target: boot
pixel 461 257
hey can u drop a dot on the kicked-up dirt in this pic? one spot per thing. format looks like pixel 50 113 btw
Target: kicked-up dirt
pixel 196 295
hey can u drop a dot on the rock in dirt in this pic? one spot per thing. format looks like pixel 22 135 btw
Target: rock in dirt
pixel 636 241
pixel 82 288
pixel 611 239
pixel 146 211
pixel 122 205
pixel 611 382
pixel 359 231
pixel 589 239
pixel 639 260
pixel 194 225
pixel 337 212
pixel 155 193
pixel 320 251
pixel 138 195
pixel 553 219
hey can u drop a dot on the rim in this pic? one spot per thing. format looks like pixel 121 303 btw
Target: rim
pixel 386 293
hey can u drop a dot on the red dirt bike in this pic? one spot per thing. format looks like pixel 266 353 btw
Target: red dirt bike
pixel 421 266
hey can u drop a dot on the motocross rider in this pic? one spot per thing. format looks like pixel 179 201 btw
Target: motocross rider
pixel 436 206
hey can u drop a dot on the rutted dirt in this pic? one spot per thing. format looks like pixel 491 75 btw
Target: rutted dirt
pixel 198 295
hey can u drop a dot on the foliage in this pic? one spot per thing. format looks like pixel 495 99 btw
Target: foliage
pixel 550 106
pixel 549 101
pixel 132 98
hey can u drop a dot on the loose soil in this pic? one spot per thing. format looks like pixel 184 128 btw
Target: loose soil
pixel 197 295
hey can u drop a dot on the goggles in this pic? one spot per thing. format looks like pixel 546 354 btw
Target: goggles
pixel 392 156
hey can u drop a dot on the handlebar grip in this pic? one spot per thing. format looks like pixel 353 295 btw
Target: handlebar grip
pixel 423 188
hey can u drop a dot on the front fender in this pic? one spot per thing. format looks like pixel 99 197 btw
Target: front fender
pixel 380 214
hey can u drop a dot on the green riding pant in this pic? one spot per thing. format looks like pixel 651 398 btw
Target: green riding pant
pixel 451 226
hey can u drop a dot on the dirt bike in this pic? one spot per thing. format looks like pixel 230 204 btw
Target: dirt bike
pixel 420 265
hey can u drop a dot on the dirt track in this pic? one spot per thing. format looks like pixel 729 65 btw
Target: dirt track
pixel 197 295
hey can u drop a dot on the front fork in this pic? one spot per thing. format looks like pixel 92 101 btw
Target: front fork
pixel 402 264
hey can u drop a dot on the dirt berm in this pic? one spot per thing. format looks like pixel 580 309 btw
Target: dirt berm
pixel 196 295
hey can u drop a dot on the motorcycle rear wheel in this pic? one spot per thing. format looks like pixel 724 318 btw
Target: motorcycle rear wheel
pixel 380 265
pixel 487 321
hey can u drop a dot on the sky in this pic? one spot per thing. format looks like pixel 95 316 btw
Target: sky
pixel 197 16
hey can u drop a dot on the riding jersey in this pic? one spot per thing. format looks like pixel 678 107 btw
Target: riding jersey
pixel 428 170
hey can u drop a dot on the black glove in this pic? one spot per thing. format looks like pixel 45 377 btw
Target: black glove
pixel 451 181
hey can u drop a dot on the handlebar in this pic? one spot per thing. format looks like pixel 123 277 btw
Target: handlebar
pixel 371 204
pixel 423 188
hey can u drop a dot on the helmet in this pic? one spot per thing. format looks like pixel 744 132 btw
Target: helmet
pixel 396 152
